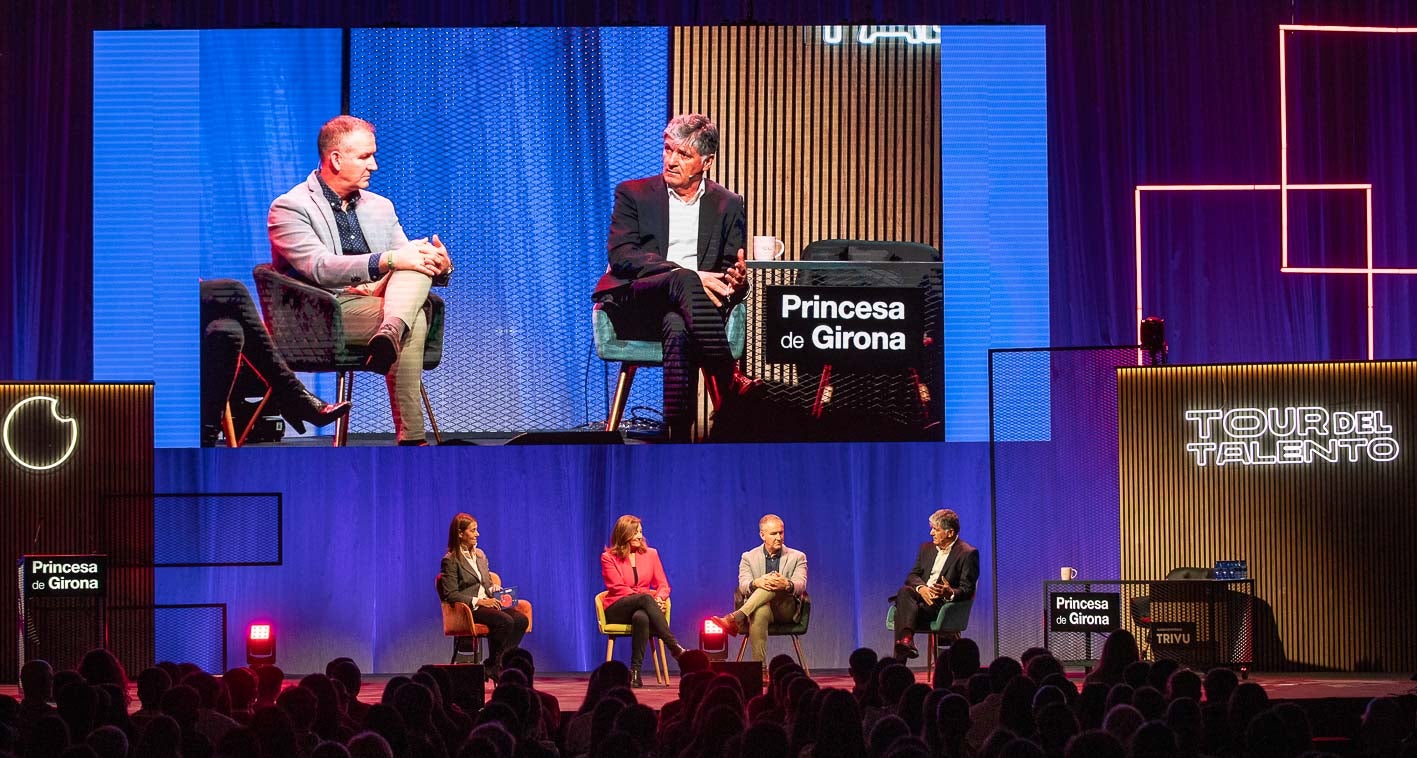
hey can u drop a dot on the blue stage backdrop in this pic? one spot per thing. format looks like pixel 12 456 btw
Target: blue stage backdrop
pixel 364 531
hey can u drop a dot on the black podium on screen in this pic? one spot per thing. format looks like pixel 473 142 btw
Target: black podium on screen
pixel 813 401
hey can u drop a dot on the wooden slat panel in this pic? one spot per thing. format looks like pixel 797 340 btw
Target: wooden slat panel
pixel 823 141
pixel 1329 544
pixel 59 510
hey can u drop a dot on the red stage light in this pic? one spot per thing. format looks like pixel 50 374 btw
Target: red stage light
pixel 261 645
pixel 713 640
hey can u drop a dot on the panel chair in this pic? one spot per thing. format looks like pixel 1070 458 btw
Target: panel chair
pixel 952 619
pixel 306 324
pixel 793 629
pixel 467 635
pixel 634 353
pixel 611 631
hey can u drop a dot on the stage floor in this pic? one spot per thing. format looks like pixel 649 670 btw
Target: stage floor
pixel 570 688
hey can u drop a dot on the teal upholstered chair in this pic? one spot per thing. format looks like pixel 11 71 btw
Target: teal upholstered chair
pixel 633 353
pixel 949 622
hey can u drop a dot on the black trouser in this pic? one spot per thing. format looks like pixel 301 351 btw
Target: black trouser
pixel 691 328
pixel 505 629
pixel 232 326
pixel 642 613
pixel 911 612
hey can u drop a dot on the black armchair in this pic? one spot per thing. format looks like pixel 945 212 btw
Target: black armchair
pixel 308 328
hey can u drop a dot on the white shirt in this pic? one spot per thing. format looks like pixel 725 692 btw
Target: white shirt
pixel 683 246
pixel 471 561
pixel 941 556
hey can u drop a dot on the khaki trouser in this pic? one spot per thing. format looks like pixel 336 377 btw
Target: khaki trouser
pixel 402 295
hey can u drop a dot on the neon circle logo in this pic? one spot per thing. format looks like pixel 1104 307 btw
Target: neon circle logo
pixel 9 443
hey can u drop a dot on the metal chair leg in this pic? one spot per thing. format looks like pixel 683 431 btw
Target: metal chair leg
pixel 741 646
pixel 432 420
pixel 622 396
pixel 344 392
pixel 661 664
pixel 800 660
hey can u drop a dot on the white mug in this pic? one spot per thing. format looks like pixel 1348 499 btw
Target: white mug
pixel 1067 573
pixel 767 248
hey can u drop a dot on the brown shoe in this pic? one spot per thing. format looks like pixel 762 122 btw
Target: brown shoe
pixel 727 622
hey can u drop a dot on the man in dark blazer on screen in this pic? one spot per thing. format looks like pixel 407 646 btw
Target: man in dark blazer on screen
pixel 676 267
pixel 945 571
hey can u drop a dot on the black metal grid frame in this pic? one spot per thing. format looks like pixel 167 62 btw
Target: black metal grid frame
pixel 994 482
pixel 178 606
pixel 122 559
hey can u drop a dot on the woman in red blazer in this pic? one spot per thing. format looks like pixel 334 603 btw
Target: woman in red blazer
pixel 636 590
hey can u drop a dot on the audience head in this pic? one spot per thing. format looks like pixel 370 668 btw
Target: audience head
pixel 1161 671
pixel 269 680
pixel 1150 702
pixel 101 667
pixel 1002 670
pixel 885 731
pixel 346 672
pixel 1137 673
pixel 37 681
pixel 1154 739
pixel 108 742
pixel 369 745
pixel 301 705
pixel 693 661
pixel 891 682
pixel 1247 701
pixel 910 706
pixel 862 665
pixel 963 658
pixel 152 682
pixel 1118 652
pixel 1016 708
pixel 764 739
pixel 1056 725
pixel 241 686
pixel 1095 743
pixel 1092 705
pixel 1183 683
pixel 1218 683
pixel 1122 722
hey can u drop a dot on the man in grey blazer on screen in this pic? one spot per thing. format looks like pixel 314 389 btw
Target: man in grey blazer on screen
pixel 772 579
pixel 331 231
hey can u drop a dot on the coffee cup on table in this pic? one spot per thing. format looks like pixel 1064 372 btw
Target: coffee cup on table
pixel 767 248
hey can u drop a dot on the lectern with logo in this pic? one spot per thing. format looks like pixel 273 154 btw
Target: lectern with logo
pixel 62 606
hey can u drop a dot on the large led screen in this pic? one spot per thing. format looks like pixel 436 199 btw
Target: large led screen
pixel 885 165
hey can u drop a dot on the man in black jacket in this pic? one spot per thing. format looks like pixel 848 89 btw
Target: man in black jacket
pixel 946 570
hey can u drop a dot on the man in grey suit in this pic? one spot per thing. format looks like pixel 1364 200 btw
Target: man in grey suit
pixel 332 232
pixel 772 579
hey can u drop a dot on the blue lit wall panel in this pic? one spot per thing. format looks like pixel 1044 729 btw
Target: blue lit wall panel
pixel 194 134
pixel 995 175
pixel 147 219
pixel 508 143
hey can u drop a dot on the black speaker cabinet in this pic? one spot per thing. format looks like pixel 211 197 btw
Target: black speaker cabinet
pixel 468 682
pixel 748 673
